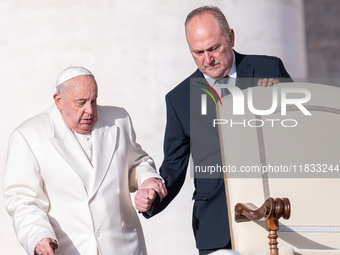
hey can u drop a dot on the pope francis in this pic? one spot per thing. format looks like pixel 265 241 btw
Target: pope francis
pixel 69 174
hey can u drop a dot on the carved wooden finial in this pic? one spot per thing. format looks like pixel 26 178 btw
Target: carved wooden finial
pixel 272 210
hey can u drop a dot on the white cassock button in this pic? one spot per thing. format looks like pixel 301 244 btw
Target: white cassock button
pixel 97 233
pixel 119 191
pixel 123 224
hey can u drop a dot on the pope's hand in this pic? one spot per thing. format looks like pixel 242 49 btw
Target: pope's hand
pixel 146 195
pixel 44 247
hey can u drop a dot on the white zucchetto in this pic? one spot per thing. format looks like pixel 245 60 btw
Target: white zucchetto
pixel 71 72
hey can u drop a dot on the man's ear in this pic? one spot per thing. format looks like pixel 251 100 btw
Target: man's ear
pixel 58 101
pixel 231 37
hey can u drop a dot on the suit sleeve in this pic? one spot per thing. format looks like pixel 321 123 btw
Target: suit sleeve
pixel 24 196
pixel 282 72
pixel 176 156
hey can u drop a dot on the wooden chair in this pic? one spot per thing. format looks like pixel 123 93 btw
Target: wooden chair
pixel 298 196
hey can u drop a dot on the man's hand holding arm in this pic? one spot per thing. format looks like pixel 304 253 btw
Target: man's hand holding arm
pixel 146 195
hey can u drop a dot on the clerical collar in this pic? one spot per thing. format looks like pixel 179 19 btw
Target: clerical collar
pixel 86 136
pixel 85 140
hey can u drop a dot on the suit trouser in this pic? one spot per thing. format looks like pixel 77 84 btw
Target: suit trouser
pixel 205 252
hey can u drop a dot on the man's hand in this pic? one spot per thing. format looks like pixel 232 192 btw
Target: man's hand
pixel 156 184
pixel 267 82
pixel 144 199
pixel 146 195
pixel 44 247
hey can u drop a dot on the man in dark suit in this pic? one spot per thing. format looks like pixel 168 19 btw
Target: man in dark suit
pixel 188 132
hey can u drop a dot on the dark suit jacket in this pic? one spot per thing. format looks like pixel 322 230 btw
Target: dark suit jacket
pixel 187 131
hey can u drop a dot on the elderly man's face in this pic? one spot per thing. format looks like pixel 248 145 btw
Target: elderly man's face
pixel 210 49
pixel 78 107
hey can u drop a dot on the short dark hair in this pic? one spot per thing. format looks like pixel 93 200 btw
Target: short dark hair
pixel 216 12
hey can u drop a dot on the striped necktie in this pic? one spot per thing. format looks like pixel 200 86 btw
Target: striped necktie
pixel 224 80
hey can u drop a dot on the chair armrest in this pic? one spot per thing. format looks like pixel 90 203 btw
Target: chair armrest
pixel 270 209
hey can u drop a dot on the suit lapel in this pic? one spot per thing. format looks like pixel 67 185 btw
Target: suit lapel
pixel 245 71
pixel 69 148
pixel 104 138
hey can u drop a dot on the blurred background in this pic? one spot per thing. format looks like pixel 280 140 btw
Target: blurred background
pixel 138 52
